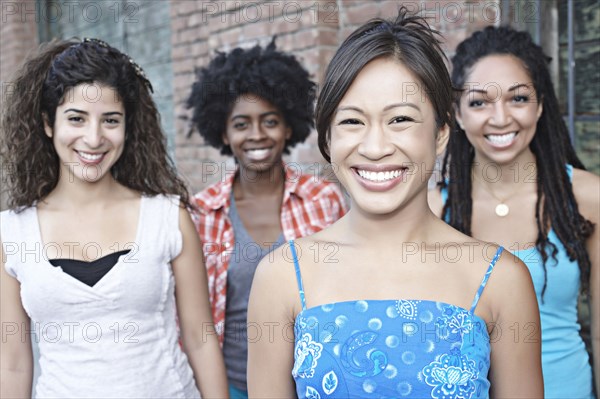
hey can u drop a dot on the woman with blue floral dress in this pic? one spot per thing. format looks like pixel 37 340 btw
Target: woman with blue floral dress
pixel 390 301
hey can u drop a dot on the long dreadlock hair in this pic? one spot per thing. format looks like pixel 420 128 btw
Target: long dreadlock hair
pixel 556 206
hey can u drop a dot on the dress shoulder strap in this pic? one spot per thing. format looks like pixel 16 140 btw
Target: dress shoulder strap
pixel 485 279
pixel 570 172
pixel 298 274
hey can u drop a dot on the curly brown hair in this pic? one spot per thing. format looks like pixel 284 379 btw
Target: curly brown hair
pixel 31 161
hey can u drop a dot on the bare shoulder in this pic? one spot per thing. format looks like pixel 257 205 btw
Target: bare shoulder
pixel 510 284
pixel 276 276
pixel 510 269
pixel 185 219
pixel 586 188
pixel 434 197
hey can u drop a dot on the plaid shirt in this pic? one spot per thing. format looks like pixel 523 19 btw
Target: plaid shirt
pixel 310 204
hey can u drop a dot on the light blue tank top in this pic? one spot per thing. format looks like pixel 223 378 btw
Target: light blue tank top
pixel 565 361
pixel 391 348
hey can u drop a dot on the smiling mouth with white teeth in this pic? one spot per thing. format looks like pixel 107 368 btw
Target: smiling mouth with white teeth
pixel 501 139
pixel 90 157
pixel 258 154
pixel 379 176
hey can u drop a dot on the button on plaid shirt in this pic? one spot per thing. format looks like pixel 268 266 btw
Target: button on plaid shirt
pixel 310 203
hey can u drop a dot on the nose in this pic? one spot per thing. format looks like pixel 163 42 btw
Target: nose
pixel 375 144
pixel 256 131
pixel 93 137
pixel 501 114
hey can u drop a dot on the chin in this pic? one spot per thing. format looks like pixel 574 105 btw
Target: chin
pixel 260 166
pixel 377 209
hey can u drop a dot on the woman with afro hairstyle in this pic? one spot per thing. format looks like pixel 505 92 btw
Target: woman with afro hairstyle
pixel 512 177
pixel 254 104
pixel 100 257
pixel 411 308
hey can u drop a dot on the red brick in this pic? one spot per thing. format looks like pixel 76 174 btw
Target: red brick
pixel 389 9
pixel 327 38
pixel 178 23
pixel 305 38
pixel 199 48
pixel 184 7
pixel 255 30
pixel 308 16
pixel 362 13
pixel 220 22
pixel 185 65
pixel 329 14
pixel 452 40
pixel 180 51
pixel 230 37
pixel 281 26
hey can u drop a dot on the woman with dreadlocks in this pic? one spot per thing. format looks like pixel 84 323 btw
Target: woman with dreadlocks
pixel 512 177
pixel 254 104
pixel 100 257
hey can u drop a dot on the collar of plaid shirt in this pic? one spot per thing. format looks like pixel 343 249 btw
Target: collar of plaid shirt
pixel 217 197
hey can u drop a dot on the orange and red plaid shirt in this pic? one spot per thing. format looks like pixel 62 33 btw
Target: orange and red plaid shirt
pixel 310 203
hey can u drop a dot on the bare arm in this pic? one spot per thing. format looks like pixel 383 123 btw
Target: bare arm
pixel 516 369
pixel 271 354
pixel 586 187
pixel 16 359
pixel 197 330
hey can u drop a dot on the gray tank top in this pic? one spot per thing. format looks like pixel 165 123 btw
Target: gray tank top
pixel 245 257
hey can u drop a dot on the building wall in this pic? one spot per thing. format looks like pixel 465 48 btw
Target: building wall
pixel 18 37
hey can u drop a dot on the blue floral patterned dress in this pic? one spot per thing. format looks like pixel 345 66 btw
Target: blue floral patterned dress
pixel 391 348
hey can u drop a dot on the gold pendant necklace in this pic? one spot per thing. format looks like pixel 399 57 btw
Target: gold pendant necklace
pixel 502 209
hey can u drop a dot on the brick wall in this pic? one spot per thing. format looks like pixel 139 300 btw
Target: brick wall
pixel 18 37
pixel 310 29
pixel 18 33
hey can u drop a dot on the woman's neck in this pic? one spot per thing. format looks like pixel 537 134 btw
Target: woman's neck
pixel 78 193
pixel 522 169
pixel 250 183
pixel 505 181
pixel 408 224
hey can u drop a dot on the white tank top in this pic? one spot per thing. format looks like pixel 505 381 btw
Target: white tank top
pixel 118 338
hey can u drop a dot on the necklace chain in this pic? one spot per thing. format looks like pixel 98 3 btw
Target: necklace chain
pixel 502 209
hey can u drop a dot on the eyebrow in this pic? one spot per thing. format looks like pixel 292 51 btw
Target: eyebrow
pixel 386 108
pixel 87 113
pixel 511 88
pixel 518 86
pixel 476 91
pixel 261 115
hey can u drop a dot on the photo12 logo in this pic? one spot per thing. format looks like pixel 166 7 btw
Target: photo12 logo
pixel 69 11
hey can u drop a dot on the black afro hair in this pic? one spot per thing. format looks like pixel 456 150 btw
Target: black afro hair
pixel 264 72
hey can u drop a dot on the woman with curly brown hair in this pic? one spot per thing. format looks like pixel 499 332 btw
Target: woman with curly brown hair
pixel 254 104
pixel 99 252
